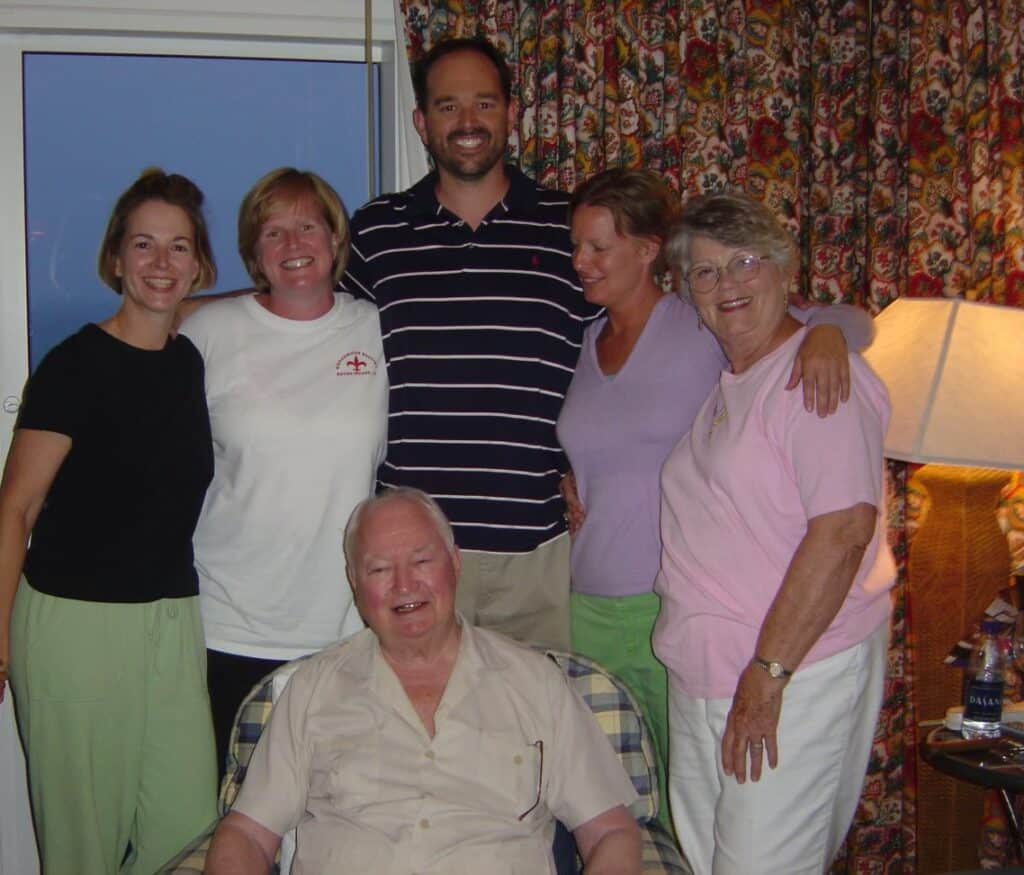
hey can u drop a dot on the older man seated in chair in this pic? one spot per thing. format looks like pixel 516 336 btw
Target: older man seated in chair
pixel 423 744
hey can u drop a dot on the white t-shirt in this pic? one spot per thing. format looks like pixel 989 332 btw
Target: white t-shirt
pixel 299 416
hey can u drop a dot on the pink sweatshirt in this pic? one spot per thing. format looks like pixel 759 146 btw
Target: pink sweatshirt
pixel 737 492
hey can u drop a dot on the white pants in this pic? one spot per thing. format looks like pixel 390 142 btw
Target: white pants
pixel 795 818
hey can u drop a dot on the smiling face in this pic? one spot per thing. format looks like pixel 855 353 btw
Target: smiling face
pixel 746 317
pixel 295 248
pixel 404 576
pixel 612 267
pixel 466 118
pixel 156 262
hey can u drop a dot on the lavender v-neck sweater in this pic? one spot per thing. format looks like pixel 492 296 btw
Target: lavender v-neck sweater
pixel 617 431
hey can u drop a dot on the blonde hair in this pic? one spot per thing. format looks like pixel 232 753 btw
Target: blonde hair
pixel 287 185
pixel 642 204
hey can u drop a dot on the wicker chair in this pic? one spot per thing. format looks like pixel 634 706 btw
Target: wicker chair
pixel 613 707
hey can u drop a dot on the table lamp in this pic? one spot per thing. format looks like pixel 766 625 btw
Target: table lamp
pixel 955 374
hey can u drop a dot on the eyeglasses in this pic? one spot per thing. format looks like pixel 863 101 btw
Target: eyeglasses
pixel 704 278
pixel 539 744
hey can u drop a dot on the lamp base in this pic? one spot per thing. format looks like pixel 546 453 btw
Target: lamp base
pixel 959 560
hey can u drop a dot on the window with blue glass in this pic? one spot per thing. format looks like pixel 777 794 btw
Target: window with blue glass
pixel 94 122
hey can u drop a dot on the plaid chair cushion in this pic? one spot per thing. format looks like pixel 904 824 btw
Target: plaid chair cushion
pixel 618 715
pixel 253 714
pixel 614 709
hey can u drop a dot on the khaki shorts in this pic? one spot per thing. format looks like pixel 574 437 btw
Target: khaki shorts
pixel 523 595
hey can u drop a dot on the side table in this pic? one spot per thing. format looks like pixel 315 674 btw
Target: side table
pixel 994 763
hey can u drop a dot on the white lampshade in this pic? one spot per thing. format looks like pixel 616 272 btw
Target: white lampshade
pixel 955 374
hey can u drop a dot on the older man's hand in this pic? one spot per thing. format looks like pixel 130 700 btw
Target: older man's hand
pixel 750 729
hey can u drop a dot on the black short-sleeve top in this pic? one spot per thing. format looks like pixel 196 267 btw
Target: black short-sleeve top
pixel 118 520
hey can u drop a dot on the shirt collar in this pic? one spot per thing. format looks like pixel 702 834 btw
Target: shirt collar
pixel 522 194
pixel 470 663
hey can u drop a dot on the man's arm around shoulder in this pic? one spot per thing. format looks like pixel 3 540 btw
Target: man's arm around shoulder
pixel 241 846
pixel 609 843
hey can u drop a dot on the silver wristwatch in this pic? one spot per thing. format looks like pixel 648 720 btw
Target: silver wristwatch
pixel 775 669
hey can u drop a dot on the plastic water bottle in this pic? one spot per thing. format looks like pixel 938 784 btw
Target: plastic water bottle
pixel 983 702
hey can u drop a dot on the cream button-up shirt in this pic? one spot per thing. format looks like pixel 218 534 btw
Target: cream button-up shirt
pixel 346 760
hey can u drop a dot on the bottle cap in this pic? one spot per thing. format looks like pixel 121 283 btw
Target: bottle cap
pixel 955 718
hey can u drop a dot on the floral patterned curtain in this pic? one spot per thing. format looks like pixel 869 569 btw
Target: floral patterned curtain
pixel 888 134
pixel 966 181
pixel 790 100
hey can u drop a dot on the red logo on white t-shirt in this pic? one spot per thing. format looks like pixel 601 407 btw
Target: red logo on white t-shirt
pixel 356 364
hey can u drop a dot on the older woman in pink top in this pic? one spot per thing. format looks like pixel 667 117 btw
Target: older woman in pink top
pixel 644 370
pixel 774 573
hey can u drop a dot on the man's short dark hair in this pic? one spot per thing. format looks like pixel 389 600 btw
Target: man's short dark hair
pixel 421 68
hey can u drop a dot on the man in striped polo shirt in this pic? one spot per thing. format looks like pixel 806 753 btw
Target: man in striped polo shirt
pixel 482 316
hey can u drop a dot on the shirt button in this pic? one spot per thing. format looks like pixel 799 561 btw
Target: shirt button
pixel 424 824
pixel 429 754
pixel 517 759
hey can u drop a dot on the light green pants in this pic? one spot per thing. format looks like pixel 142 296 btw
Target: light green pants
pixel 112 705
pixel 616 633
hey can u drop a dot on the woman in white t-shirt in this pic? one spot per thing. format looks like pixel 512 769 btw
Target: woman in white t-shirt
pixel 297 391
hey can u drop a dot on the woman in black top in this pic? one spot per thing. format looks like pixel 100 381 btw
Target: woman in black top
pixel 99 623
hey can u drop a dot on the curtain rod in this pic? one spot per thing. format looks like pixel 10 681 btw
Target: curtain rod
pixel 371 131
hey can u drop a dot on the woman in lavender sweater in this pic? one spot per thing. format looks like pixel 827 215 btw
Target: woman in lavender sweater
pixel 645 369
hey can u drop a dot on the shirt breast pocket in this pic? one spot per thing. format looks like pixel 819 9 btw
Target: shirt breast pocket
pixel 512 768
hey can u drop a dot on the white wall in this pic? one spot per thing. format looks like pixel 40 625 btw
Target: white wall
pixel 318 20
pixel 311 29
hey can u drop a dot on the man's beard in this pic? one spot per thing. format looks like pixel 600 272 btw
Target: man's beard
pixel 473 168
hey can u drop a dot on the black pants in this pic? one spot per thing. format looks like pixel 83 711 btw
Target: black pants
pixel 229 678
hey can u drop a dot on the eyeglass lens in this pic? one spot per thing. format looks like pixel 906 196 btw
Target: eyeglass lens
pixel 741 268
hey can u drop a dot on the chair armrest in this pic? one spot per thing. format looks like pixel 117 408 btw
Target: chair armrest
pixel 659 854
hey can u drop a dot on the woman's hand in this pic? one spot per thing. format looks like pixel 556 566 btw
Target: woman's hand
pixel 823 364
pixel 816 583
pixel 751 724
pixel 575 513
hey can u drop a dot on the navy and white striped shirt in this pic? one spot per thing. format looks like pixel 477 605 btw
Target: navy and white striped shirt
pixel 482 329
